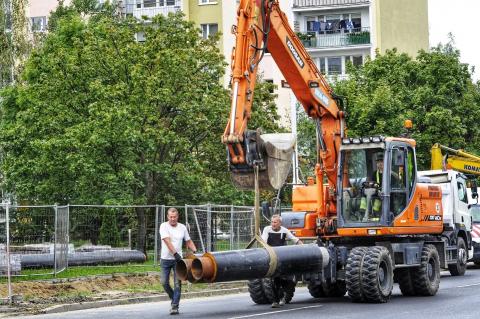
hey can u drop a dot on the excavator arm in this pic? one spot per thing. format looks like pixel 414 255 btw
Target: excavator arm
pixel 458 160
pixel 262 26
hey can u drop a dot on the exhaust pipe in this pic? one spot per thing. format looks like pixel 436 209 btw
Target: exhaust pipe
pixel 255 263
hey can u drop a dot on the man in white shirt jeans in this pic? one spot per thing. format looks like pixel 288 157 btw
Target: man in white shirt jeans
pixel 173 234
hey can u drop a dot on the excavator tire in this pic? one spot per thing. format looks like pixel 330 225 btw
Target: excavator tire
pixel 405 281
pixel 335 290
pixel 256 290
pixel 377 275
pixel 459 268
pixel 353 273
pixel 289 290
pixel 316 290
pixel 426 278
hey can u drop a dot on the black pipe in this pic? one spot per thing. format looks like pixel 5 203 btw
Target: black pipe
pixel 255 263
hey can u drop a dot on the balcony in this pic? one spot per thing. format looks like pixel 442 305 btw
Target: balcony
pixel 328 3
pixel 336 38
pixel 151 8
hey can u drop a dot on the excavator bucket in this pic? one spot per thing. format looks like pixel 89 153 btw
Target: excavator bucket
pixel 274 153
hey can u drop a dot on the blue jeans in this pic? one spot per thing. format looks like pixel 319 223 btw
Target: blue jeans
pixel 167 266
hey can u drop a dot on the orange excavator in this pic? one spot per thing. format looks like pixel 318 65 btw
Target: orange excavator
pixel 371 217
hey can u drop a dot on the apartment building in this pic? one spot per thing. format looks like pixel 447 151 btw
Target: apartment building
pixel 337 31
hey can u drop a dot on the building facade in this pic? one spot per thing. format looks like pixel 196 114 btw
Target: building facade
pixel 336 32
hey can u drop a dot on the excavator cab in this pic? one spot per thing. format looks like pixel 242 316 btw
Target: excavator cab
pixel 376 181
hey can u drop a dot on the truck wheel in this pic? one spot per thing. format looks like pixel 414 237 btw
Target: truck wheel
pixel 404 278
pixel 426 278
pixel 459 268
pixel 377 275
pixel 353 276
pixel 255 288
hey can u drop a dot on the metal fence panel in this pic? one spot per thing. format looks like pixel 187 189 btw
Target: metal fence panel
pixel 114 228
pixel 222 227
pixel 61 239
pixel 6 288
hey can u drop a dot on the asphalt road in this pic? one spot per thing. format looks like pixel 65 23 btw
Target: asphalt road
pixel 456 298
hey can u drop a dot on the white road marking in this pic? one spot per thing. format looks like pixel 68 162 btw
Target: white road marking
pixel 274 312
pixel 472 285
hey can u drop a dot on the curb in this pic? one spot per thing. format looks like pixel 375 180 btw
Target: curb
pixel 127 301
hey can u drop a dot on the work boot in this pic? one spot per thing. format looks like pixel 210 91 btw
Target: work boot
pixel 174 310
pixel 275 305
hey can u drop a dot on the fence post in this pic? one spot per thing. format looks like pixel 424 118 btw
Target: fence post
pixel 55 230
pixel 7 251
pixel 155 253
pixel 231 227
pixel 209 227
pixel 68 233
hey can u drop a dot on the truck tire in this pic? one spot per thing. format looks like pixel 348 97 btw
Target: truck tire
pixel 377 275
pixel 459 268
pixel 404 278
pixel 353 273
pixel 426 278
pixel 289 290
pixel 256 290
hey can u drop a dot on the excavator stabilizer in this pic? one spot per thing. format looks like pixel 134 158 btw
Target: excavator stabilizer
pixel 273 155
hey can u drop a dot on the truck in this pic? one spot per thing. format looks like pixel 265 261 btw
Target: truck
pixel 373 219
pixel 475 212
pixel 457 219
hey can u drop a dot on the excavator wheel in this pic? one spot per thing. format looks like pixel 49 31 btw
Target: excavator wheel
pixel 316 290
pixel 405 280
pixel 353 273
pixel 426 278
pixel 377 275
pixel 459 268
pixel 337 289
pixel 257 293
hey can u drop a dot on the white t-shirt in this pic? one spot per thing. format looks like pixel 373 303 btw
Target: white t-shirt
pixel 177 235
pixel 282 230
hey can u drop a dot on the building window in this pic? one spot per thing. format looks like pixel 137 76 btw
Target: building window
pixel 357 60
pixel 323 70
pixel 334 65
pixel 39 23
pixel 149 3
pixel 209 29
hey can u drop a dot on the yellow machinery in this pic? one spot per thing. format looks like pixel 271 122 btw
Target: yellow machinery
pixel 460 161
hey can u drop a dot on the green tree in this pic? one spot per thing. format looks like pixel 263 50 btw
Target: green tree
pixel 435 91
pixel 103 118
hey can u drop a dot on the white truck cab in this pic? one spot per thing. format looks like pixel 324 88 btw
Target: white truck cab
pixel 457 219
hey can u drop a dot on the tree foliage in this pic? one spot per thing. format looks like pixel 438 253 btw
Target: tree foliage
pixel 434 90
pixel 103 118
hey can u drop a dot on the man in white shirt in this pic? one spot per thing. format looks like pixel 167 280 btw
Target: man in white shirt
pixel 277 235
pixel 173 234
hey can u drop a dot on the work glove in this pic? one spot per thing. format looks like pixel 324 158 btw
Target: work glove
pixel 190 255
pixel 177 256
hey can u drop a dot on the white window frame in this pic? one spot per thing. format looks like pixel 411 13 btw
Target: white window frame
pixel 206 2
pixel 205 36
pixel 43 24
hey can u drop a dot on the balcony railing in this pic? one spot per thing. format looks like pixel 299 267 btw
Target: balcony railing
pixel 336 38
pixel 327 3
pixel 151 8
